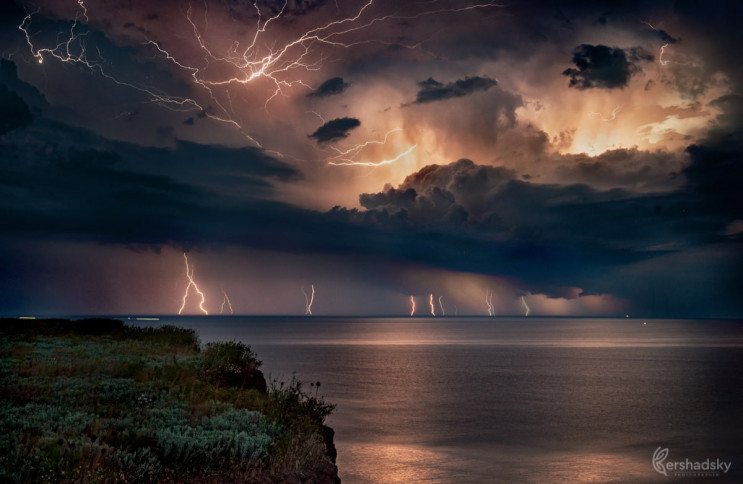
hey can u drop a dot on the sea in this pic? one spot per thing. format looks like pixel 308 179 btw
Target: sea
pixel 487 400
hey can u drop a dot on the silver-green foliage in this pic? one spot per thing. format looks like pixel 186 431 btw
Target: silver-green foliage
pixel 236 437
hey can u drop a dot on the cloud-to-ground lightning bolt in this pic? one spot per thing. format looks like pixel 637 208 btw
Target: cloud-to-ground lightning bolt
pixel 489 301
pixel 412 305
pixel 226 301
pixel 430 303
pixel 192 283
pixel 264 54
pixel 614 113
pixel 527 310
pixel 308 300
pixel 441 304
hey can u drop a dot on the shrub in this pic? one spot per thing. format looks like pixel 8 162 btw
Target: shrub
pixel 233 364
pixel 167 335
pixel 291 403
pixel 140 465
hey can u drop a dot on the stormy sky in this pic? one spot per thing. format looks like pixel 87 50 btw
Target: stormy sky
pixel 581 157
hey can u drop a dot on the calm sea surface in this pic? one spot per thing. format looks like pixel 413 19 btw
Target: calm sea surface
pixel 470 400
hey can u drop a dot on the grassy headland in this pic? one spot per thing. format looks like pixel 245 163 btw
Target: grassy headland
pixel 98 401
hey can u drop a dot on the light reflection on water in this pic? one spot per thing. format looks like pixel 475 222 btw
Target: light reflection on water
pixel 476 400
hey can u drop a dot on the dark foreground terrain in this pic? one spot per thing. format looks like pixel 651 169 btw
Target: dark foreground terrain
pixel 97 401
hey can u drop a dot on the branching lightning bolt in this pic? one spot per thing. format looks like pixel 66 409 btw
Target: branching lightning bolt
pixel 347 156
pixel 527 310
pixel 308 300
pixel 614 113
pixel 662 47
pixel 192 283
pixel 441 304
pixel 412 305
pixel 264 55
pixel 226 301
pixel 373 164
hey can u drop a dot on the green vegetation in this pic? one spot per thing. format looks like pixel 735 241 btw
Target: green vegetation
pixel 97 401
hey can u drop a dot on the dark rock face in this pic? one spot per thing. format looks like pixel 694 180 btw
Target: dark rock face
pixel 257 382
pixel 331 470
pixel 327 435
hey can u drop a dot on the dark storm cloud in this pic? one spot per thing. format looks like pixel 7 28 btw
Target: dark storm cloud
pixel 295 7
pixel 331 87
pixel 335 129
pixel 117 196
pixel 603 67
pixel 484 219
pixel 30 95
pixel 623 168
pixel 244 11
pixel 717 25
pixel 432 90
pixel 716 174
pixel 492 200
pixel 64 182
pixel 15 112
pixel 664 36
pixel 731 106
pixel 10 13
pixel 85 193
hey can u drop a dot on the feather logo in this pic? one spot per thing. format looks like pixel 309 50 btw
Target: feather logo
pixel 659 456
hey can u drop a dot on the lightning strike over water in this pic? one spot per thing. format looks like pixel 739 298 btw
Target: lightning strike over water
pixel 441 305
pixel 489 301
pixel 430 303
pixel 226 301
pixel 412 305
pixel 192 283
pixel 527 310
pixel 308 300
